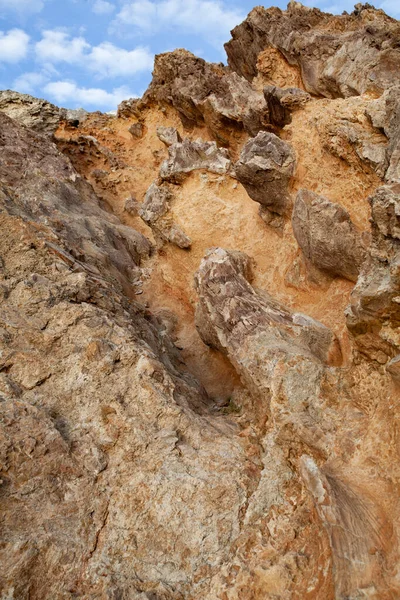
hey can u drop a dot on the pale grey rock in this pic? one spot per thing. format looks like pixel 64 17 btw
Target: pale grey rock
pixel 189 156
pixel 37 114
pixel 327 236
pixel 265 168
pixel 155 212
pixel 206 93
pixel 393 367
pixel 168 135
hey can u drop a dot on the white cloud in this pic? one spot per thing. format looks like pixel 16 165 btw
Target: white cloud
pixel 101 7
pixel 56 46
pixel 22 6
pixel 108 60
pixel 13 45
pixel 105 60
pixel 69 93
pixel 211 18
pixel 29 82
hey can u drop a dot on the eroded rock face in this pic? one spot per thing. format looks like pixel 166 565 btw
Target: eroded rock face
pixel 327 236
pixel 279 353
pixel 226 296
pixel 168 135
pixel 374 313
pixel 338 56
pixel 206 93
pixel 265 168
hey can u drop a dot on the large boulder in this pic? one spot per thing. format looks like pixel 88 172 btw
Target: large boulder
pixel 327 236
pixel 265 168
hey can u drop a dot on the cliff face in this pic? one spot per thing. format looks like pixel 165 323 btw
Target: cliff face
pixel 200 326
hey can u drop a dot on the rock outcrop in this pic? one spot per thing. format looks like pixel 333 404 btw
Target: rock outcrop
pixel 374 312
pixel 194 405
pixel 327 236
pixel 338 56
pixel 206 93
pixel 40 115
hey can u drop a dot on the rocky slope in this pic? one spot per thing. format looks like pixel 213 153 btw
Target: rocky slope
pixel 200 326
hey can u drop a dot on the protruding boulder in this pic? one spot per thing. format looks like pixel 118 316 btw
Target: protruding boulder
pixel 282 102
pixel 265 168
pixel 188 156
pixel 155 212
pixel 327 236
pixel 168 135
pixel 238 320
pixel 136 130
pixel 129 108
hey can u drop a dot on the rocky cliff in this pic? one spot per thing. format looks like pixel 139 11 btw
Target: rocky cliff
pixel 200 326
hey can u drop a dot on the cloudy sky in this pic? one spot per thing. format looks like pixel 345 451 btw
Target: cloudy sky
pixel 94 53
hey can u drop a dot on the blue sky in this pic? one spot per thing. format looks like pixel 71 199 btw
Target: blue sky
pixel 94 53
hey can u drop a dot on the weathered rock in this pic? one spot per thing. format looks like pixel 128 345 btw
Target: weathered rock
pixel 74 116
pixel 155 212
pixel 206 93
pixel 374 312
pixel 339 56
pixel 136 130
pixel 226 296
pixel 129 108
pixel 189 156
pixel 36 114
pixel 49 185
pixel 131 206
pixel 282 101
pixel 274 352
pixel 327 236
pixel 120 478
pixel 168 135
pixel 96 413
pixel 265 168
pixel 385 115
